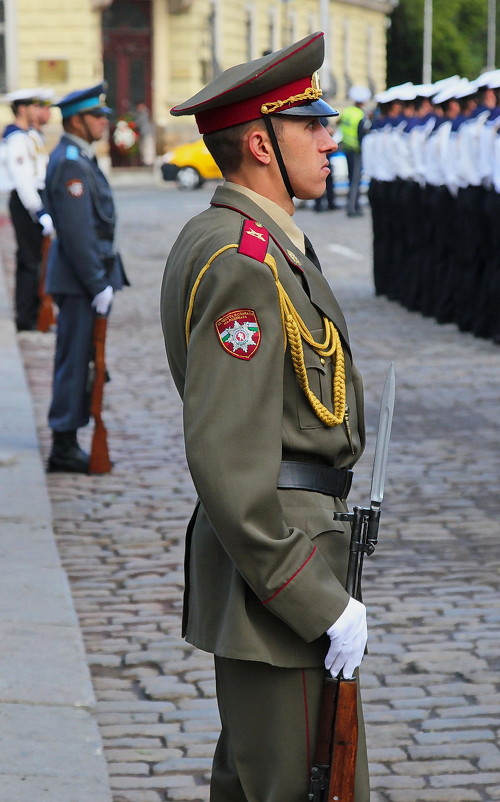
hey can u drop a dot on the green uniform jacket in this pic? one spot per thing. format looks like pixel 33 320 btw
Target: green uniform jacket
pixel 265 568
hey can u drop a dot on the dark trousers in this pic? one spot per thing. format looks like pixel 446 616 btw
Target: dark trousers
pixel 354 172
pixel 471 239
pixel 269 721
pixel 377 199
pixel 70 407
pixel 28 259
pixel 407 244
pixel 487 316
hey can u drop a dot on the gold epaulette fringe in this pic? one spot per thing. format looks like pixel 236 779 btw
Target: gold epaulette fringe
pixel 294 333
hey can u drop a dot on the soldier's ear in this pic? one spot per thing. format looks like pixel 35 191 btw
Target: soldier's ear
pixel 259 145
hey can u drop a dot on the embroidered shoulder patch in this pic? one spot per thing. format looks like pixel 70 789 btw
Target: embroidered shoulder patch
pixel 75 188
pixel 239 333
pixel 254 240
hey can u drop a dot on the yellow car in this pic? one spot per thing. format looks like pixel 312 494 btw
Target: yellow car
pixel 189 165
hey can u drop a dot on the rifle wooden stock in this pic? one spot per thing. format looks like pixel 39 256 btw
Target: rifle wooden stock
pixel 334 771
pixel 99 461
pixel 46 318
pixel 345 742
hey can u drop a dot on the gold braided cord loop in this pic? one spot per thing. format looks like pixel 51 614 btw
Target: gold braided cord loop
pixel 307 96
pixel 197 284
pixel 296 332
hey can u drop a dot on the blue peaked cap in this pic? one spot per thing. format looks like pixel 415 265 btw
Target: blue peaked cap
pixel 83 100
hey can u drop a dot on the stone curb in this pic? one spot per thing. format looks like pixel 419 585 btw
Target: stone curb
pixel 50 746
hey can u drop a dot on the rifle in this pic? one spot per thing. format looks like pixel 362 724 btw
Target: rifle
pixel 99 461
pixel 334 769
pixel 46 318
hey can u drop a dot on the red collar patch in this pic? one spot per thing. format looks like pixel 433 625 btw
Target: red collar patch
pixel 239 333
pixel 254 240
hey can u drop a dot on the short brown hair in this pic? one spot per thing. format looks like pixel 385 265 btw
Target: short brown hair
pixel 226 146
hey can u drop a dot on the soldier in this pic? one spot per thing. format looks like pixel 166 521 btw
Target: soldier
pixel 83 268
pixel 412 194
pixel 470 217
pixel 487 322
pixel 273 423
pixel 25 174
pixel 436 276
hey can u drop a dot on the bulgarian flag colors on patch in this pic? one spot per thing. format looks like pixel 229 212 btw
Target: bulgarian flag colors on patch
pixel 239 333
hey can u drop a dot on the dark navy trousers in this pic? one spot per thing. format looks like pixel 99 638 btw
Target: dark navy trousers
pixel 70 407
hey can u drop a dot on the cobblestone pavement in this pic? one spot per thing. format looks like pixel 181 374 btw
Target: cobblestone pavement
pixel 431 678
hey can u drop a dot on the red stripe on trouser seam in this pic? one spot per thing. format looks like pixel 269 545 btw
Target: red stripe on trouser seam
pixel 306 720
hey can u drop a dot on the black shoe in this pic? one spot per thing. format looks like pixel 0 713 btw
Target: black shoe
pixel 66 455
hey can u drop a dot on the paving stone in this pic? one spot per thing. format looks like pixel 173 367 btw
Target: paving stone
pixel 128 768
pixel 429 795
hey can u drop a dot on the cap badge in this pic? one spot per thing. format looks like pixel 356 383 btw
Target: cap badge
pixel 239 333
pixel 310 93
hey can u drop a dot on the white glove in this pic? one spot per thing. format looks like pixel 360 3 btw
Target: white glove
pixel 102 300
pixel 348 636
pixel 47 225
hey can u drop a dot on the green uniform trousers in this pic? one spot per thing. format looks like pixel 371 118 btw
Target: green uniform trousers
pixel 269 719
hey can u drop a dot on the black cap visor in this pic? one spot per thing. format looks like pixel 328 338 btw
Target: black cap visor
pixel 318 108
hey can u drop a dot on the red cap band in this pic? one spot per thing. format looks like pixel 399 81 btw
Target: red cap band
pixel 250 109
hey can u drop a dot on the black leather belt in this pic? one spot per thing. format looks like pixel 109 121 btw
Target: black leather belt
pixel 318 478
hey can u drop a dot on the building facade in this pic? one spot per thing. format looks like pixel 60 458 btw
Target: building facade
pixel 159 52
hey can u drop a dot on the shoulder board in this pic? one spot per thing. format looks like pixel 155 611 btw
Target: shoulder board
pixel 254 240
pixel 72 152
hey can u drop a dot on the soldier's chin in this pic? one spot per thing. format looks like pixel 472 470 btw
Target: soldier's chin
pixel 304 196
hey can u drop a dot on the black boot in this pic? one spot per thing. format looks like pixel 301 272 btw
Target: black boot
pixel 66 455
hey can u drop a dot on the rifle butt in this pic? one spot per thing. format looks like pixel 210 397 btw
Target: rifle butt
pixel 46 318
pixel 99 461
pixel 345 743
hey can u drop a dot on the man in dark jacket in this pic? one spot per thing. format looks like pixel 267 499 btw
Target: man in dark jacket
pixel 83 268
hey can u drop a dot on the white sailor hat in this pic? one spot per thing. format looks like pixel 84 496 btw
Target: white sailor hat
pixel 45 96
pixel 452 79
pixel 404 91
pixel 359 94
pixel 425 90
pixel 489 80
pixel 467 88
pixel 451 90
pixel 22 96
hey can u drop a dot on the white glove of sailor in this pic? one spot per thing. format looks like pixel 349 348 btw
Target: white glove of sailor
pixel 348 636
pixel 47 225
pixel 102 301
